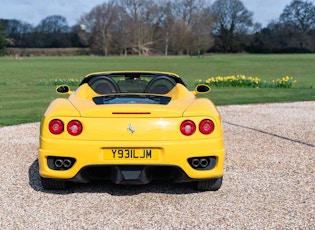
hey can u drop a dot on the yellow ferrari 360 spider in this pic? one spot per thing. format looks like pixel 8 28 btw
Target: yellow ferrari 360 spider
pixel 131 127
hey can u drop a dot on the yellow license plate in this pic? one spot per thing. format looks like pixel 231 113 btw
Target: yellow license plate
pixel 132 154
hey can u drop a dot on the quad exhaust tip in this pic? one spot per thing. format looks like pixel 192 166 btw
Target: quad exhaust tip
pixel 63 163
pixel 199 162
pixel 202 163
pixel 60 163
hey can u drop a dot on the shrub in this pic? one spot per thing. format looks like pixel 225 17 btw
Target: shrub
pixel 243 81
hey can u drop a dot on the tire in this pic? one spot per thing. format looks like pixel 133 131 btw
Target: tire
pixel 209 185
pixel 52 184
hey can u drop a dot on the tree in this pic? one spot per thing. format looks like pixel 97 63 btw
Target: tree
pixel 18 33
pixel 186 26
pixel 53 31
pixel 202 25
pixel 299 19
pixel 2 38
pixel 53 24
pixel 186 13
pixel 143 15
pixel 143 27
pixel 122 32
pixel 100 23
pixel 233 20
pixel 293 32
pixel 167 21
pixel 271 39
pixel 79 36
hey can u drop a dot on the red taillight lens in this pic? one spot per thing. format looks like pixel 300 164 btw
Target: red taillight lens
pixel 206 126
pixel 188 127
pixel 56 126
pixel 74 127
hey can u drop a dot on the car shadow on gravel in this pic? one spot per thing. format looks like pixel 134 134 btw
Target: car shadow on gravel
pixel 166 187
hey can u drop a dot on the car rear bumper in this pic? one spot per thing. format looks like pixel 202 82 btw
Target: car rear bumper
pixel 131 174
pixel 89 160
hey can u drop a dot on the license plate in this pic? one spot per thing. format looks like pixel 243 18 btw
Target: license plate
pixel 131 154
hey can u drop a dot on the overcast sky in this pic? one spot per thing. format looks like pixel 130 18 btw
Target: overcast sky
pixel 33 11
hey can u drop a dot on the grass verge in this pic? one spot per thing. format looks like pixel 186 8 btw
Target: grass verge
pixel 23 99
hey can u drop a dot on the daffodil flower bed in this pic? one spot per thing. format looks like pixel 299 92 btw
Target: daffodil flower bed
pixel 243 81
pixel 60 81
pixel 70 82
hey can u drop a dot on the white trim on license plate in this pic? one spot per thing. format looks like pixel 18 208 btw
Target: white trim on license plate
pixel 132 154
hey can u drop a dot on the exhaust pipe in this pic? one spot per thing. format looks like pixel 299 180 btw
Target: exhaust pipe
pixel 195 162
pixel 58 163
pixel 67 163
pixel 204 162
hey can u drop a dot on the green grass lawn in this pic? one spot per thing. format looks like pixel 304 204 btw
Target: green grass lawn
pixel 24 100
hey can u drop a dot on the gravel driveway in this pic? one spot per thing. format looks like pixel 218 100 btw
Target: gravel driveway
pixel 269 182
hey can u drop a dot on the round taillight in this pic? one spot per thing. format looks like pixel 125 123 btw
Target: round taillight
pixel 56 126
pixel 188 127
pixel 74 127
pixel 206 126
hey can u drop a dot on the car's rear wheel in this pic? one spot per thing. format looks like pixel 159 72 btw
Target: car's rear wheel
pixel 52 184
pixel 209 185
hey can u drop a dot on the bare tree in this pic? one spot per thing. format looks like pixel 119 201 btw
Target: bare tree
pixel 145 26
pixel 53 24
pixel 180 38
pixel 52 31
pixel 189 26
pixel 202 26
pixel 122 32
pixel 185 10
pixel 167 21
pixel 299 20
pixel 99 22
pixel 233 19
pixel 18 33
pixel 143 16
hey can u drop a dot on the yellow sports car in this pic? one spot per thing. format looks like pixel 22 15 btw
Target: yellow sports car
pixel 131 127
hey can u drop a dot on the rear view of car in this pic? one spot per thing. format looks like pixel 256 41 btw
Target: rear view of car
pixel 131 128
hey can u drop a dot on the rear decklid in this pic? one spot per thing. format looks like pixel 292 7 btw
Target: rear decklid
pixel 173 104
pixel 174 108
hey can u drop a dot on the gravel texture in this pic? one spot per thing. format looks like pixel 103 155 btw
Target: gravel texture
pixel 268 183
